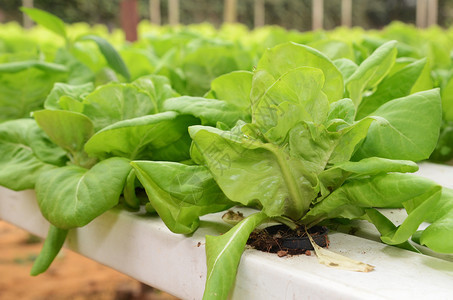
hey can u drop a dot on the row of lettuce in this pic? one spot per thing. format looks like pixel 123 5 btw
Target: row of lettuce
pixel 319 130
pixel 192 56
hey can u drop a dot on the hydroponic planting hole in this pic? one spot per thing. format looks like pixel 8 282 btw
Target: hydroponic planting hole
pixel 284 241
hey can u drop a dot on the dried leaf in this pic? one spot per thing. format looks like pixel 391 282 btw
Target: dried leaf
pixel 335 260
pixel 232 217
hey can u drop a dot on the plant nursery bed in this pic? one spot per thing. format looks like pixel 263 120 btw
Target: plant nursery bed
pixel 143 248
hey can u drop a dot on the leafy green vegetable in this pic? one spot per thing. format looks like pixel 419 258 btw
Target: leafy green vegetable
pixel 113 58
pixel 72 196
pixel 18 99
pixel 209 111
pixel 223 255
pixel 233 87
pixel 59 90
pixel 116 102
pixel 283 58
pixel 157 87
pixel 137 138
pixel 69 130
pixel 26 152
pixel 396 137
pixel 47 20
pixel 180 193
pixel 53 244
pixel 371 71
pixel 398 85
pixel 311 135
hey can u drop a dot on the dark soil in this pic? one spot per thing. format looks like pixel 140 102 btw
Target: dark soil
pixel 284 241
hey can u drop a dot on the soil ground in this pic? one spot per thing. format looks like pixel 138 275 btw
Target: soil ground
pixel 71 276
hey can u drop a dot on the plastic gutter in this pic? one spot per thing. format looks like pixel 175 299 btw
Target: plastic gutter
pixel 143 248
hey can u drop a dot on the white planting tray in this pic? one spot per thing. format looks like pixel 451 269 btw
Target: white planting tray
pixel 143 248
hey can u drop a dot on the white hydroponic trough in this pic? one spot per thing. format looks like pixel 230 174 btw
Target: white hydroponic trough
pixel 143 248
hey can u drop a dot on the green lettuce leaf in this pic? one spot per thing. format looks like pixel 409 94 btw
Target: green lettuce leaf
pixel 395 135
pixel 26 152
pixel 180 193
pixel 72 196
pixel 209 111
pixel 223 255
pixel 283 58
pixel 138 138
pixel 371 71
pixel 281 184
pixel 116 102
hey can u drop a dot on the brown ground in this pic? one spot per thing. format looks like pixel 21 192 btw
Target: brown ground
pixel 71 276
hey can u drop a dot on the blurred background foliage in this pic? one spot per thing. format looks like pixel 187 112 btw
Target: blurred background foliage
pixel 291 14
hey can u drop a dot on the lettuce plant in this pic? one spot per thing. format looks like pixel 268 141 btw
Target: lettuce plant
pixel 305 154
pixel 76 151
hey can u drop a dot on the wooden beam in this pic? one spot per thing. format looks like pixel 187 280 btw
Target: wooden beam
pixel 129 19
pixel 421 13
pixel 173 12
pixel 154 11
pixel 317 14
pixel 259 13
pixel 433 6
pixel 230 11
pixel 346 13
pixel 27 22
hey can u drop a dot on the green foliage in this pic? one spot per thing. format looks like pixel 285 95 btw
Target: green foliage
pixel 53 244
pixel 322 129
pixel 180 193
pixel 51 22
pixel 73 196
pixel 26 148
pixel 113 58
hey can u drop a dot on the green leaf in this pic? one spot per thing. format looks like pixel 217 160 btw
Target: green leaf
pixel 335 176
pixel 223 255
pixel 206 63
pixel 25 91
pixel 444 149
pixel 371 71
pixel 319 148
pixel 398 85
pixel 157 87
pixel 334 49
pixel 347 67
pixel 78 73
pixel 283 58
pixel 70 104
pixel 385 226
pixel 26 152
pixel 62 89
pixel 380 191
pixel 112 57
pixel 251 172
pixel 180 193
pixel 447 100
pixel 138 138
pixel 233 87
pixel 52 246
pixel 438 235
pixel 296 96
pixel 130 198
pixel 49 21
pixel 69 130
pixel 209 111
pixel 342 112
pixel 410 225
pixel 116 102
pixel 15 67
pixel 72 196
pixel 395 135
